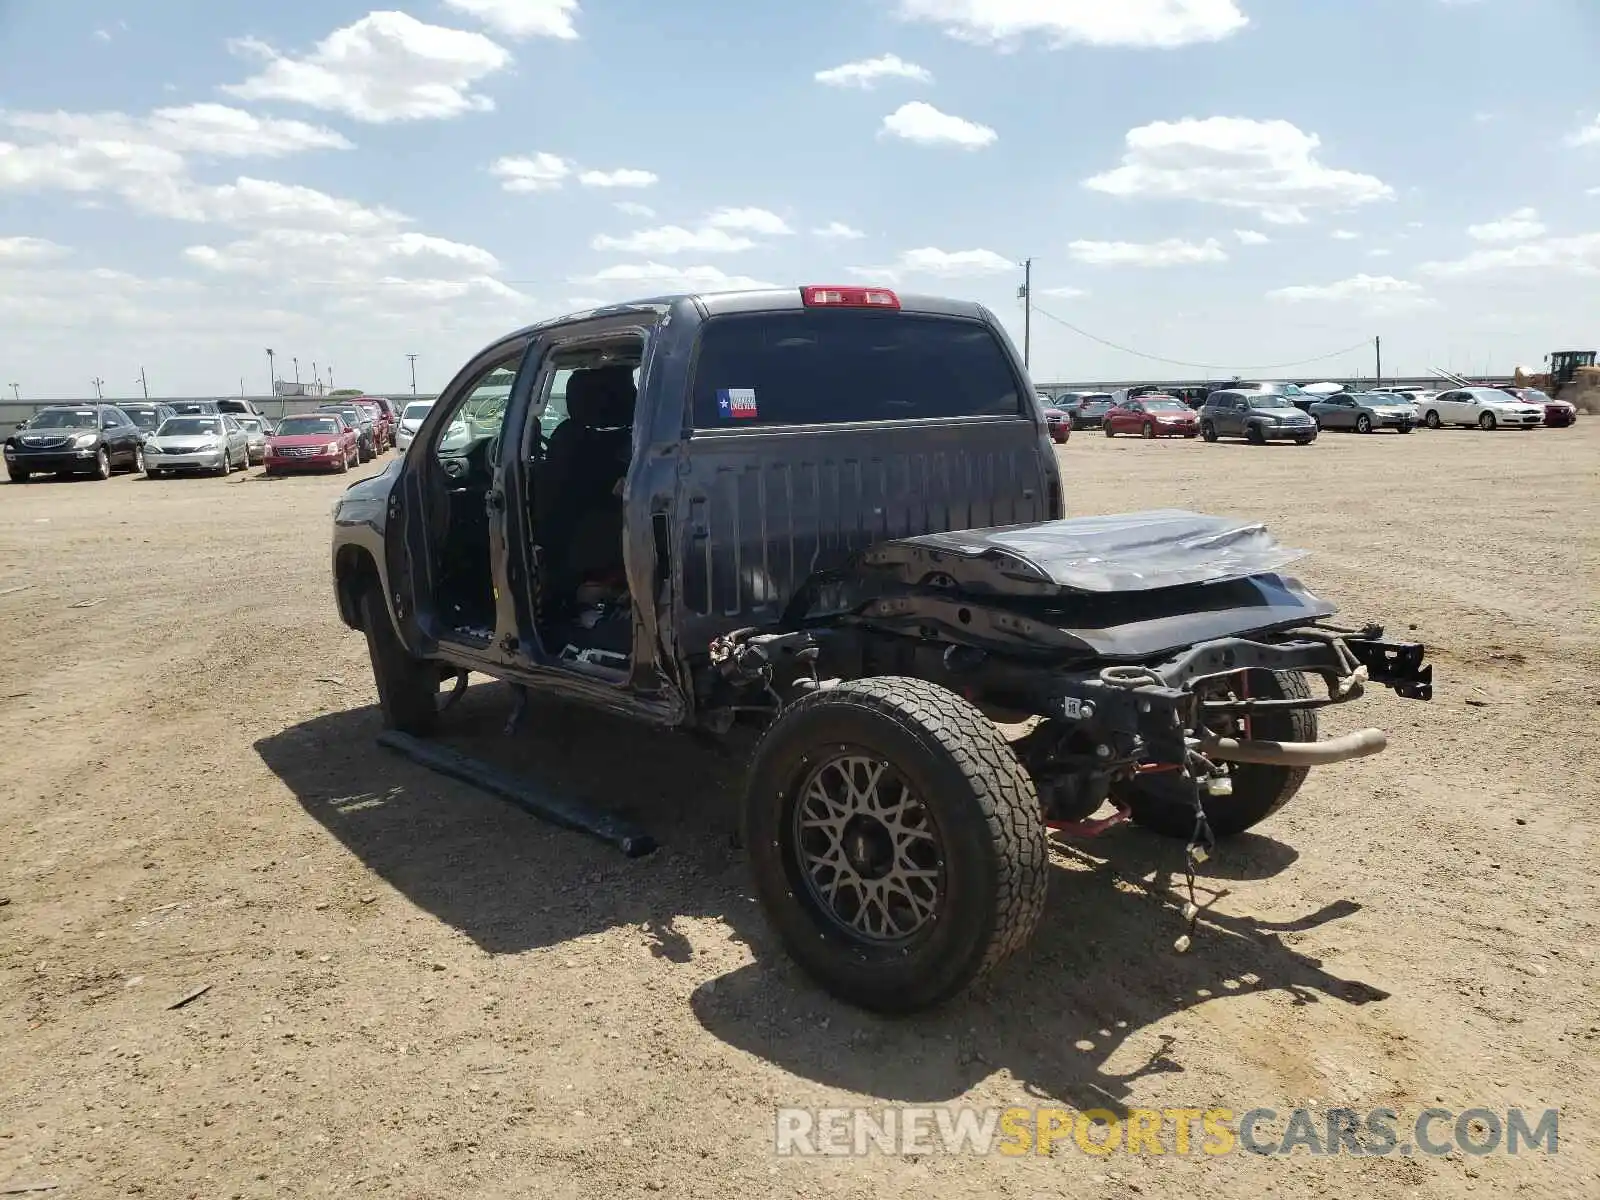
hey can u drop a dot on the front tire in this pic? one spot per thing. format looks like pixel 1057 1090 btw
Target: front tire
pixel 138 461
pixel 19 476
pixel 1487 422
pixel 1254 436
pixel 1149 431
pixel 1161 804
pixel 896 843
pixel 102 464
pixel 1108 430
pixel 408 687
pixel 1432 420
pixel 1363 424
pixel 1208 431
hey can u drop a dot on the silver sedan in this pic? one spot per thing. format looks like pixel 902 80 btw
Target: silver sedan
pixel 1364 412
pixel 256 431
pixel 215 444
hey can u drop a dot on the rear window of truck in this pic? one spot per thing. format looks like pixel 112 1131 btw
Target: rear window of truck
pixel 824 368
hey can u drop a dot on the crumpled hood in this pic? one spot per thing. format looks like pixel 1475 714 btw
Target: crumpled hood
pixel 1128 552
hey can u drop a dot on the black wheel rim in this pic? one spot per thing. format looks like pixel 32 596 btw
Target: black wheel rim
pixel 868 852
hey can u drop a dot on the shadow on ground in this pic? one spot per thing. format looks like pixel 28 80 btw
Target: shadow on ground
pixel 1101 970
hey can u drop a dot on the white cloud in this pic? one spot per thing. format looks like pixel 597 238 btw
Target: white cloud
pixel 1171 252
pixel 263 202
pixel 102 35
pixel 633 208
pixel 1374 293
pixel 523 18
pixel 866 72
pixel 539 173
pixel 1521 226
pixel 1251 237
pixel 1344 235
pixel 1269 167
pixel 1579 255
pixel 1142 23
pixel 748 220
pixel 622 177
pixel 950 264
pixel 387 66
pixel 1589 135
pixel 1379 253
pixel 1066 293
pixel 661 279
pixel 15 250
pixel 838 231
pixel 674 239
pixel 927 126
pixel 324 256
pixel 208 129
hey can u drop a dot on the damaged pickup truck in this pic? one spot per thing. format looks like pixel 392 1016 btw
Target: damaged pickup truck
pixel 833 515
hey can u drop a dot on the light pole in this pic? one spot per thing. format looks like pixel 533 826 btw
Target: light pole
pixel 272 373
pixel 17 392
pixel 97 381
pixel 144 384
pixel 413 360
pixel 1025 294
pixel 296 362
pixel 316 377
pixel 330 379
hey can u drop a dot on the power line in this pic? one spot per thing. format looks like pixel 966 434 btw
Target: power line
pixel 1178 362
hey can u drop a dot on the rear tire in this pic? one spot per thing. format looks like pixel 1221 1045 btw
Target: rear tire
pixel 1161 805
pixel 901 913
pixel 408 687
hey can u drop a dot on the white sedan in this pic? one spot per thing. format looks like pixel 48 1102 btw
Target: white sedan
pixel 1487 408
pixel 203 443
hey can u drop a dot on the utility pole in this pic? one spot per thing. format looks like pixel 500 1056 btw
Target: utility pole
pixel 272 373
pixel 296 362
pixel 316 378
pixel 413 359
pixel 330 379
pixel 144 384
pixel 1025 294
pixel 1377 345
pixel 97 381
pixel 17 392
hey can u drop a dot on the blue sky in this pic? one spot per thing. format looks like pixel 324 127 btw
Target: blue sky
pixel 1228 182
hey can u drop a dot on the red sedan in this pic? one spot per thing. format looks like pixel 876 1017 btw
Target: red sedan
pixel 382 423
pixel 312 442
pixel 1058 423
pixel 1556 412
pixel 1153 416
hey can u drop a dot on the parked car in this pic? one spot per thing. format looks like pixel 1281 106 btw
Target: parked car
pixel 1058 423
pixel 1258 417
pixel 383 430
pixel 240 406
pixel 897 840
pixel 1364 412
pixel 411 418
pixel 1070 402
pixel 361 421
pixel 74 439
pixel 1293 392
pixel 1091 411
pixel 1557 413
pixel 1152 415
pixel 1487 408
pixel 147 415
pixel 195 408
pixel 214 444
pixel 256 431
pixel 319 441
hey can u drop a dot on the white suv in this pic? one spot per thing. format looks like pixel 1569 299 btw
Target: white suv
pixel 411 418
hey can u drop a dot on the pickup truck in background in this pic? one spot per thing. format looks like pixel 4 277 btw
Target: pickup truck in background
pixel 833 517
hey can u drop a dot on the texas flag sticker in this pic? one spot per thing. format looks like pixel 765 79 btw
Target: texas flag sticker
pixel 736 403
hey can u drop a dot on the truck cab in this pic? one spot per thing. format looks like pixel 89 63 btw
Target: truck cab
pixel 595 499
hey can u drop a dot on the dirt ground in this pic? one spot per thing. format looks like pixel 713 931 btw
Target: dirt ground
pixel 418 991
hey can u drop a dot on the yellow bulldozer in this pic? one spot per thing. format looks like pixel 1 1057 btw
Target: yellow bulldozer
pixel 1573 377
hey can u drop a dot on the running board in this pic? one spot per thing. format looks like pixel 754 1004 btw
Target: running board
pixel 568 814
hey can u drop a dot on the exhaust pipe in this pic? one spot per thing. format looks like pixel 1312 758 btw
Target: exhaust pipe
pixel 1361 744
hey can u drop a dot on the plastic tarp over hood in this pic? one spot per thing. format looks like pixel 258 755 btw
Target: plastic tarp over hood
pixel 1132 552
